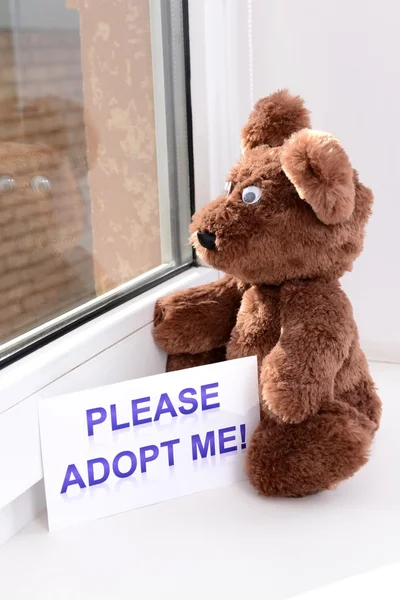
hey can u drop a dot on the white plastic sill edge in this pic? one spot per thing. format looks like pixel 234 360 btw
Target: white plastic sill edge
pixel 383 583
pixel 23 383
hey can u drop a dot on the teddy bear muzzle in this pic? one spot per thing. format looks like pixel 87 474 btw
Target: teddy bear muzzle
pixel 206 239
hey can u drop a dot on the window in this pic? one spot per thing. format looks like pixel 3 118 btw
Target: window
pixel 94 159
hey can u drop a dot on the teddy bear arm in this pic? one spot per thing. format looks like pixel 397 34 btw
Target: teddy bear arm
pixel 316 335
pixel 199 319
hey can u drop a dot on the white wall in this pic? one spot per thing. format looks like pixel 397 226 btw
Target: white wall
pixel 343 57
pixel 221 89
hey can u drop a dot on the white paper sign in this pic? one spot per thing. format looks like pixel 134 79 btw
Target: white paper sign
pixel 122 446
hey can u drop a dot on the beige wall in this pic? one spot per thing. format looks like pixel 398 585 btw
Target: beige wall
pixel 118 93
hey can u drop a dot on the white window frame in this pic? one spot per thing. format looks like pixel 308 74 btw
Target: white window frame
pixel 221 100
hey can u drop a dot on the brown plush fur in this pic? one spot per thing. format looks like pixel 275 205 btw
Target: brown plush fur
pixel 321 172
pixel 274 119
pixel 281 300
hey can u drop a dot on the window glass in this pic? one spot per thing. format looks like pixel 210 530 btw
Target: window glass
pixel 94 185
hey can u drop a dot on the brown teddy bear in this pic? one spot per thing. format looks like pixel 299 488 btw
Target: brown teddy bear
pixel 290 224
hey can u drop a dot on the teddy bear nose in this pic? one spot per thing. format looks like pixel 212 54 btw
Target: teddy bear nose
pixel 206 239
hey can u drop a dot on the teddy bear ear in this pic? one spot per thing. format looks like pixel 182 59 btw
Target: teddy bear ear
pixel 274 119
pixel 321 172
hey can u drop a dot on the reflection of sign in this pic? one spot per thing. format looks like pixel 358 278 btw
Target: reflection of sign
pixel 134 443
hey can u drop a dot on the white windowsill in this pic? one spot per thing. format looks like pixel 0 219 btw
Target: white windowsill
pixel 227 542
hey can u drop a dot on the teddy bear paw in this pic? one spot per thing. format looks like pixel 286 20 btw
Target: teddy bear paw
pixel 291 402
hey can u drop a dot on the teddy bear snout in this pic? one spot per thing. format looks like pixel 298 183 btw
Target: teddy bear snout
pixel 206 239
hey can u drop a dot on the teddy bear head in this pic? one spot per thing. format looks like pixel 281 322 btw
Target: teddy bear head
pixel 293 206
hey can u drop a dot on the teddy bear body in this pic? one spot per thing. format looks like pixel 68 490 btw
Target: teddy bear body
pixel 292 222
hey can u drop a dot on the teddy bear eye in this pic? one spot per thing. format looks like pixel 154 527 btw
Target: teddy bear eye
pixel 227 188
pixel 41 184
pixel 251 195
pixel 7 183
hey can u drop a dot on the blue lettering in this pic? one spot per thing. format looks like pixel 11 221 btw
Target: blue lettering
pixel 72 477
pixel 203 449
pixel 224 440
pixel 145 459
pixel 183 398
pixel 103 477
pixel 170 446
pixel 132 467
pixel 136 411
pixel 91 421
pixel 205 396
pixel 114 424
pixel 169 407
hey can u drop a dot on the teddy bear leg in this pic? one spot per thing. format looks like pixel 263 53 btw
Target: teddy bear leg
pixel 315 455
pixel 366 400
pixel 176 362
